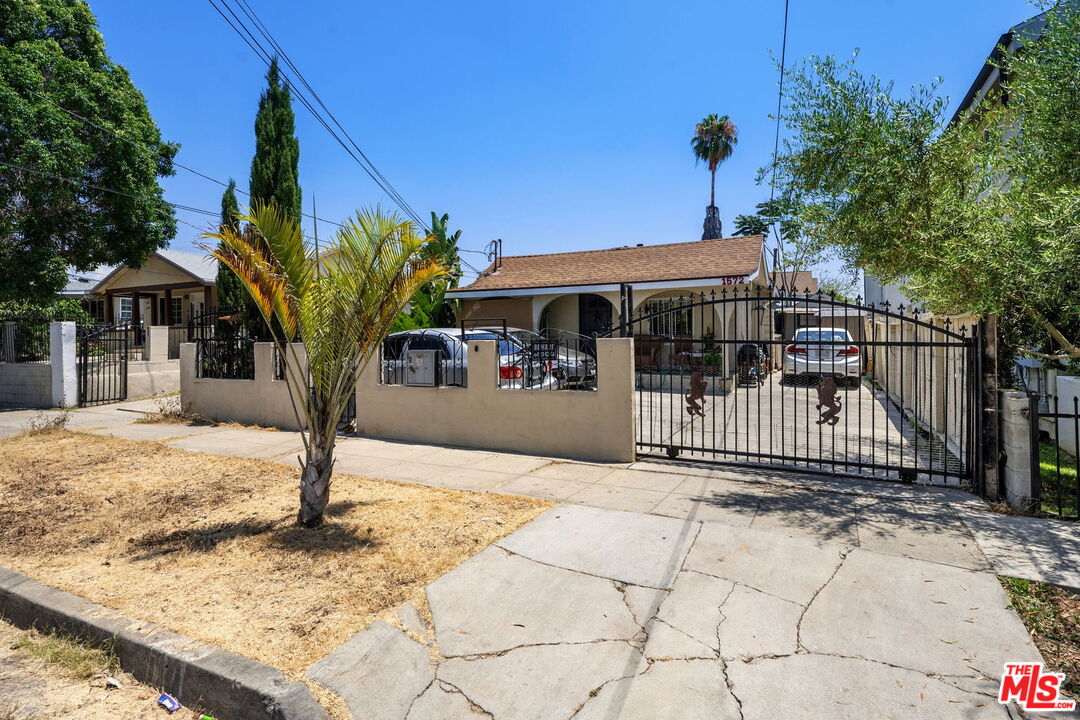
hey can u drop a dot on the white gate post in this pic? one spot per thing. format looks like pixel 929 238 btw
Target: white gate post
pixel 65 380
pixel 1019 481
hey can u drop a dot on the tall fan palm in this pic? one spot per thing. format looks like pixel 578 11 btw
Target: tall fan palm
pixel 714 140
pixel 340 302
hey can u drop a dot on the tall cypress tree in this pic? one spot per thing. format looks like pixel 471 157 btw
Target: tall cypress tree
pixel 230 291
pixel 274 169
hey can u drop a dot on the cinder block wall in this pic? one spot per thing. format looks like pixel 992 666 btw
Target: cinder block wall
pixel 26 385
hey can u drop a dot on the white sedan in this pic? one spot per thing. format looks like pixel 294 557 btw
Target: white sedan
pixel 823 352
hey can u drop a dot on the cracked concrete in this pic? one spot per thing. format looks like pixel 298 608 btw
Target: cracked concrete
pixel 722 622
pixel 932 618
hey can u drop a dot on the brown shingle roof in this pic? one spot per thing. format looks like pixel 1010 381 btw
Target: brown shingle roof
pixel 726 257
pixel 799 281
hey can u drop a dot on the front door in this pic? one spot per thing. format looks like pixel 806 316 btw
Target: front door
pixel 594 314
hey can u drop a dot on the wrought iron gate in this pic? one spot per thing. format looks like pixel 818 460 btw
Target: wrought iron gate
pixel 806 382
pixel 103 363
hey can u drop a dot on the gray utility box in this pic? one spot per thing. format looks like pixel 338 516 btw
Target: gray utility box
pixel 422 368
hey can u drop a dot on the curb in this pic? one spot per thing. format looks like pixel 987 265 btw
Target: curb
pixel 233 687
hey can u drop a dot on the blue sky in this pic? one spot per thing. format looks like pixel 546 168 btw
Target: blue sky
pixel 554 126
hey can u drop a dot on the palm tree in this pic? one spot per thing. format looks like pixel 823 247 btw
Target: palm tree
pixel 714 140
pixel 340 302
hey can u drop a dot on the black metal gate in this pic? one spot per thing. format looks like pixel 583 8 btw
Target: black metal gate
pixel 807 382
pixel 103 363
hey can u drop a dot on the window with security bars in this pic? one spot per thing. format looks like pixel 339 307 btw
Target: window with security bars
pixel 668 321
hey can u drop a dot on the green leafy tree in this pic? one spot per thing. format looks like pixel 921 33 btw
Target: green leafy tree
pixel 751 225
pixel 230 291
pixel 342 303
pixel 714 141
pixel 52 59
pixel 275 174
pixel 969 217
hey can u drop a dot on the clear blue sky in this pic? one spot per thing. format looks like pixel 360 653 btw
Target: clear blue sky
pixel 555 126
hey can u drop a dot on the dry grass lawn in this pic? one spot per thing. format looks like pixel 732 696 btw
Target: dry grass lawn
pixel 206 545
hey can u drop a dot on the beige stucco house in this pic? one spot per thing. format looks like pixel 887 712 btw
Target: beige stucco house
pixel 168 289
pixel 580 291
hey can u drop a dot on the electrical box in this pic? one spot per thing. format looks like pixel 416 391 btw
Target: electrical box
pixel 422 368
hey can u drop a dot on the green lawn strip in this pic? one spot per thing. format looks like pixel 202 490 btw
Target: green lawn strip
pixel 68 654
pixel 1052 617
pixel 1054 474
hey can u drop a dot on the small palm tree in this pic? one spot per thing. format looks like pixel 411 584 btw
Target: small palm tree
pixel 714 140
pixel 340 303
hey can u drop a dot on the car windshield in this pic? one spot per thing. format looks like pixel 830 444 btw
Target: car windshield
pixel 822 335
pixel 506 347
pixel 525 337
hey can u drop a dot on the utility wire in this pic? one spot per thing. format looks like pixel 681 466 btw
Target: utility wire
pixel 248 37
pixel 118 136
pixel 265 32
pixel 776 145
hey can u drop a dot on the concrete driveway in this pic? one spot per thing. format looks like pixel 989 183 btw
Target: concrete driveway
pixel 777 422
pixel 596 613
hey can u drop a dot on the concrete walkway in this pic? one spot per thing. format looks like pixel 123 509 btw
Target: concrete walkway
pixel 664 590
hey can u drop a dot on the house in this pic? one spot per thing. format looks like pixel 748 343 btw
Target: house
pixel 580 292
pixel 80 286
pixel 168 289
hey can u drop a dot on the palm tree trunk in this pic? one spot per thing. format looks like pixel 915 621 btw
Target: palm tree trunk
pixel 315 482
pixel 712 193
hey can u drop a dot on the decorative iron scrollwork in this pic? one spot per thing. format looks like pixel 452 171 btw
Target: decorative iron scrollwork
pixel 695 399
pixel 826 392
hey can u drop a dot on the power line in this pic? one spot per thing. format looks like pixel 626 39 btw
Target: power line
pixel 248 37
pixel 776 138
pixel 118 136
pixel 86 183
pixel 265 32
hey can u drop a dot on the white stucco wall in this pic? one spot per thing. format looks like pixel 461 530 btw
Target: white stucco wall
pixel 1068 400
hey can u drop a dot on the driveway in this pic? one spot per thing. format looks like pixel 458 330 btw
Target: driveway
pixel 596 613
pixel 777 422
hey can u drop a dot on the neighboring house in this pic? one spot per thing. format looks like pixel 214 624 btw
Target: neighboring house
pixel 580 291
pixel 168 289
pixel 81 287
pixel 797 282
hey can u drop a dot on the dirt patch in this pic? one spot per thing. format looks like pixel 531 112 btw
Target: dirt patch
pixel 42 676
pixel 207 546
pixel 1052 616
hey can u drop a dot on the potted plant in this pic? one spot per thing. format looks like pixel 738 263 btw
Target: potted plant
pixel 712 363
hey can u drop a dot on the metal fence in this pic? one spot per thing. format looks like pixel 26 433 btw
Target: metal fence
pixel 1055 460
pixel 102 365
pixel 527 360
pixel 24 340
pixel 224 341
pixel 552 360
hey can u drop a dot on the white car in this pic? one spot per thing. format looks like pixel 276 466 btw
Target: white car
pixel 822 351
